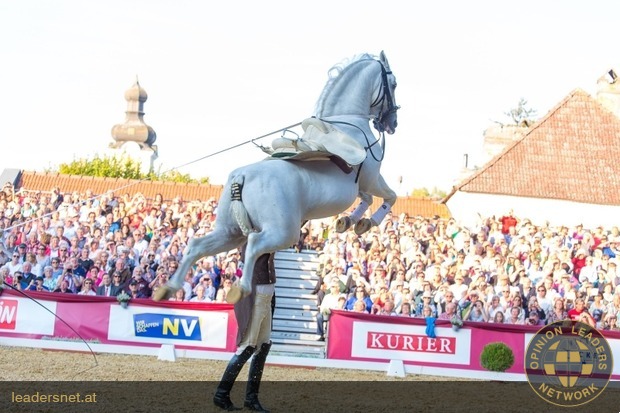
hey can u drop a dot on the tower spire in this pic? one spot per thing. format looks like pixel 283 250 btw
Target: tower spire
pixel 134 129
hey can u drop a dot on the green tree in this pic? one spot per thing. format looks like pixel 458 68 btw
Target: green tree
pixel 122 166
pixel 522 115
pixel 420 193
pixel 435 193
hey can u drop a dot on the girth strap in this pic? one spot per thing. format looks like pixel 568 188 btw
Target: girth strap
pixel 340 163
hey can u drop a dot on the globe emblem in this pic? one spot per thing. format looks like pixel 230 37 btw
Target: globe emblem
pixel 567 362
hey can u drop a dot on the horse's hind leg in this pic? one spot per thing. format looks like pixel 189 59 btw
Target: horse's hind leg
pixel 389 198
pixel 345 222
pixel 211 244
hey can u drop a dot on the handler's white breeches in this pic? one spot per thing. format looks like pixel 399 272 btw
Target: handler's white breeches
pixel 259 330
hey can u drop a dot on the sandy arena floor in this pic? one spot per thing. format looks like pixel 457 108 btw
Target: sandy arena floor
pixel 67 366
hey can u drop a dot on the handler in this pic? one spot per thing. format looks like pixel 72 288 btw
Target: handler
pixel 254 314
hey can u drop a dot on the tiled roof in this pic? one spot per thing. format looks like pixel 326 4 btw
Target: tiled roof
pixel 415 206
pixel 38 181
pixel 571 154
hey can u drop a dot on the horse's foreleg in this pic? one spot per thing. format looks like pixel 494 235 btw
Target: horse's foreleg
pixel 345 222
pixel 389 198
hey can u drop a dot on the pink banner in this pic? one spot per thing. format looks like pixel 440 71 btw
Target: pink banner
pixel 102 320
pixel 366 337
pixel 212 327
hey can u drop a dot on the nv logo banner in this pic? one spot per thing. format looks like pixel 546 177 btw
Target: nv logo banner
pixel 167 326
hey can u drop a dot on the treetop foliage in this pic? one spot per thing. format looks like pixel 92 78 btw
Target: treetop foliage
pixel 122 166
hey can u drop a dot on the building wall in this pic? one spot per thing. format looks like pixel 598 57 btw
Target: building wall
pixel 608 92
pixel 467 208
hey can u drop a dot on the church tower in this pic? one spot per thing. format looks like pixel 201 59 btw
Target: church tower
pixel 134 129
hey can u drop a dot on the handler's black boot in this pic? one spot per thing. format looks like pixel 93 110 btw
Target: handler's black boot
pixel 222 394
pixel 254 379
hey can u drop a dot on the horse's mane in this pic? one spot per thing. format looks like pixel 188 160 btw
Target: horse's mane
pixel 334 73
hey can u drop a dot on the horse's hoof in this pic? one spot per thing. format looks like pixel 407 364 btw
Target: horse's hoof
pixel 163 293
pixel 235 294
pixel 362 226
pixel 343 224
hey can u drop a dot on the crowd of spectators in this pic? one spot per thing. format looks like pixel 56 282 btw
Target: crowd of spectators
pixel 506 269
pixel 91 244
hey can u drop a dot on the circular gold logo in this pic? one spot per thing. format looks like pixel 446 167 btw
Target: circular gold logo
pixel 568 363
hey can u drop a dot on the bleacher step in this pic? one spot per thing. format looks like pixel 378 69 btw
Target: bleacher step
pixel 306 328
pixel 295 313
pixel 297 351
pixel 290 337
pixel 296 274
pixel 294 293
pixel 296 283
pixel 295 302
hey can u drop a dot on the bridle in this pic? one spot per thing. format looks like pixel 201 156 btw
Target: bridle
pixel 384 95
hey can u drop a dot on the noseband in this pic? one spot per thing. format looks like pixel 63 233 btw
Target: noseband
pixel 385 94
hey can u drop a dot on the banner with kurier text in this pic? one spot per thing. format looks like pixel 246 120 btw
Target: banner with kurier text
pixel 377 338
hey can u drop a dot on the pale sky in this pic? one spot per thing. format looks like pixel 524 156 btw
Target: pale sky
pixel 221 73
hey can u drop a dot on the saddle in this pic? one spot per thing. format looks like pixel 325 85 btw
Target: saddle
pixel 320 141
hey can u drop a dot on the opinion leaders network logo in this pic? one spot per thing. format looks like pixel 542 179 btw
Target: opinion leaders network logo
pixel 568 363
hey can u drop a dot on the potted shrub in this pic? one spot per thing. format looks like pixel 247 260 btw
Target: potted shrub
pixel 123 299
pixel 497 357
pixel 456 322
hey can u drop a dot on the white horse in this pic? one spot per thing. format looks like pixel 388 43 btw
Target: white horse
pixel 265 203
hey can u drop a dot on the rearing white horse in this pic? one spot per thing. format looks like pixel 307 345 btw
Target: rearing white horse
pixel 265 203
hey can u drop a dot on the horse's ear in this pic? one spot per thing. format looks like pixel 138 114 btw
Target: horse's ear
pixel 384 60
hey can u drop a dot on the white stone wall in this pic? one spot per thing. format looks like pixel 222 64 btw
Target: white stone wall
pixel 467 208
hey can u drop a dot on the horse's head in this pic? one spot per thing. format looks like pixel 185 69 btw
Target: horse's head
pixel 386 119
pixel 362 87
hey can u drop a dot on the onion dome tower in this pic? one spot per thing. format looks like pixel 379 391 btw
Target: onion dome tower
pixel 134 129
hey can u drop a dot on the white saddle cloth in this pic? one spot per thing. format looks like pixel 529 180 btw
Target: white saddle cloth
pixel 319 141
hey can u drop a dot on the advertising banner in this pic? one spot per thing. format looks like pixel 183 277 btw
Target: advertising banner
pixel 20 315
pixel 142 324
pixel 378 338
pixel 54 316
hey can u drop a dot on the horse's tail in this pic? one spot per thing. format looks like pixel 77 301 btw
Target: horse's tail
pixel 237 207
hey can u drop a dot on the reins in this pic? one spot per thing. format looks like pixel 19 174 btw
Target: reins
pixel 369 146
